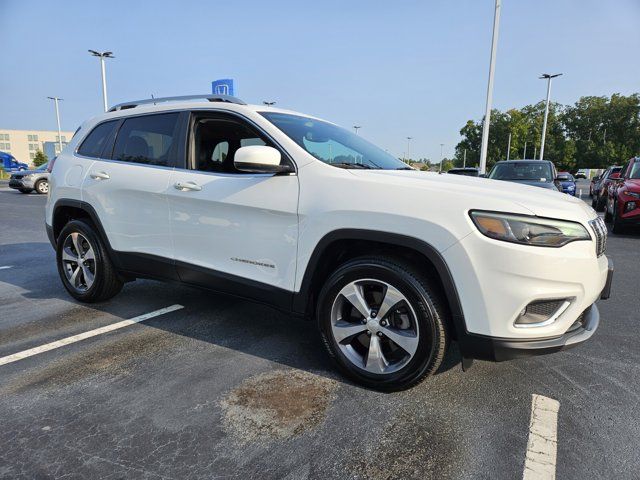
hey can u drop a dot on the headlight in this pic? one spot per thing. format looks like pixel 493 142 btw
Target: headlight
pixel 632 194
pixel 528 230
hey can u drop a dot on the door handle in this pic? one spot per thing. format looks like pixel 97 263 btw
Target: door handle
pixel 184 186
pixel 100 175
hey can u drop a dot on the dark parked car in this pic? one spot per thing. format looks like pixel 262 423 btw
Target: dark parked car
pixel 538 173
pixel 567 183
pixel 593 183
pixel 601 188
pixel 467 171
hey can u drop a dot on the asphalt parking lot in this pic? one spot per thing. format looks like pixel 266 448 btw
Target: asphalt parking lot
pixel 222 388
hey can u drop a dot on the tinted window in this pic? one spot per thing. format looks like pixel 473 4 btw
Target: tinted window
pixel 94 144
pixel 146 139
pixel 216 141
pixel 540 172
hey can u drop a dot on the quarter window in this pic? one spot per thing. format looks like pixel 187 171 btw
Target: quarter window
pixel 146 139
pixel 94 144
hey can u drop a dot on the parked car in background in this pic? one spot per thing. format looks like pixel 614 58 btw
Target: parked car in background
pixel 29 180
pixel 567 183
pixel 466 171
pixel 10 164
pixel 538 173
pixel 592 184
pixel 623 199
pixel 599 199
pixel 582 173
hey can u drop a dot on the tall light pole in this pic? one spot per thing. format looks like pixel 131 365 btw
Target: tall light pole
pixel 509 146
pixel 524 155
pixel 441 157
pixel 102 56
pixel 269 104
pixel 464 159
pixel 548 77
pixel 492 67
pixel 56 100
pixel 356 128
pixel 408 147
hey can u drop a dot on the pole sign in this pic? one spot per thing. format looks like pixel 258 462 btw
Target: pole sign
pixel 223 86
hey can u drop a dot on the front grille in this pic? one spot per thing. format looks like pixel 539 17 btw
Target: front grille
pixel 16 177
pixel 544 308
pixel 600 229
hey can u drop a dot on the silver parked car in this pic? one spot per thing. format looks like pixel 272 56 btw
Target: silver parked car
pixel 29 180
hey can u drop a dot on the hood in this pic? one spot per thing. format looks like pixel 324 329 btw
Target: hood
pixel 483 193
pixel 31 172
pixel 634 183
pixel 568 183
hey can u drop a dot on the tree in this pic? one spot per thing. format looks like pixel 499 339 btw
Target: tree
pixel 40 158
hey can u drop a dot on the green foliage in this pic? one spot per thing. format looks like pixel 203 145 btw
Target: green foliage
pixel 40 158
pixel 593 133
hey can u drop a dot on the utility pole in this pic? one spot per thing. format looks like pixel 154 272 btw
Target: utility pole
pixel 56 100
pixel 548 77
pixel 492 66
pixel 409 148
pixel 102 56
pixel 509 146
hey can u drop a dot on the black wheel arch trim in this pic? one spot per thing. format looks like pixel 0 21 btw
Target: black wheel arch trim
pixel 302 298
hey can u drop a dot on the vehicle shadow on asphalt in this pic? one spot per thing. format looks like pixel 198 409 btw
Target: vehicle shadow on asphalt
pixel 222 320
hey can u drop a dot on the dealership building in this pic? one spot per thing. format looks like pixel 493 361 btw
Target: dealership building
pixel 23 144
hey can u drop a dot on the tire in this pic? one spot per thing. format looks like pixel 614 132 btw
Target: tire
pixel 618 227
pixel 25 190
pixel 600 203
pixel 418 320
pixel 42 187
pixel 97 280
pixel 607 216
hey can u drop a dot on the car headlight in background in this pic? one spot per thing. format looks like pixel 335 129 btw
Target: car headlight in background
pixel 631 194
pixel 528 230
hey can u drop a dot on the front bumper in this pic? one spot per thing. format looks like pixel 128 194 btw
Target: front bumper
pixel 501 349
pixel 20 183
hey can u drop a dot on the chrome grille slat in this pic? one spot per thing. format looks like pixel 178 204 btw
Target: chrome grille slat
pixel 600 229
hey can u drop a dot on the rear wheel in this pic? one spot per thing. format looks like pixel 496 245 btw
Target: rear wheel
pixel 42 186
pixel 84 265
pixel 383 323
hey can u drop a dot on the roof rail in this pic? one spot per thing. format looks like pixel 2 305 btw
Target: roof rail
pixel 183 98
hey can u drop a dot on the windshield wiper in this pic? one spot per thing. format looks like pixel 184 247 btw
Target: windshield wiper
pixel 351 165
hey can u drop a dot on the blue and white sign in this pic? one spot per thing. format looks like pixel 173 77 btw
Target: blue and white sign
pixel 223 86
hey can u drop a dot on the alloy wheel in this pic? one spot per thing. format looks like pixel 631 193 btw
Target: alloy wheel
pixel 43 187
pixel 78 262
pixel 375 326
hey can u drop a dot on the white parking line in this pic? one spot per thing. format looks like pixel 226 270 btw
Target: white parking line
pixel 5 267
pixel 540 463
pixel 81 336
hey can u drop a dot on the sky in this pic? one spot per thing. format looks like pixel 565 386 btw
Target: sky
pixel 397 68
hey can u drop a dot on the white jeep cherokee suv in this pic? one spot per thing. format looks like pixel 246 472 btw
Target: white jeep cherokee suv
pixel 298 213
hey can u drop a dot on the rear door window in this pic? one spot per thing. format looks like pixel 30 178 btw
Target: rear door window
pixel 93 146
pixel 147 139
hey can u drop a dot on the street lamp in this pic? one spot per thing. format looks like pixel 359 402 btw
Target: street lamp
pixel 492 66
pixel 356 128
pixel 409 148
pixel 548 77
pixel 102 56
pixel 269 104
pixel 441 157
pixel 56 100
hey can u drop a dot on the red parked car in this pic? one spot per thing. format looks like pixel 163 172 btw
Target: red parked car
pixel 623 199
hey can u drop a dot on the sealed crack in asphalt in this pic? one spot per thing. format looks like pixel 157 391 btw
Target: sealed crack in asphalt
pixel 276 405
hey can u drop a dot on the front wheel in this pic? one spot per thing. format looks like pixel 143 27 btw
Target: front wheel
pixel 84 265
pixel 618 228
pixel 383 323
pixel 42 187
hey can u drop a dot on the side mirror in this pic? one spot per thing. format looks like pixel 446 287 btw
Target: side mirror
pixel 259 159
pixel 483 175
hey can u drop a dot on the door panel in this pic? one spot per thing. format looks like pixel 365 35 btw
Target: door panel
pixel 130 200
pixel 240 224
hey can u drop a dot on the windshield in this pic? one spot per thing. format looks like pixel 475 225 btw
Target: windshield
pixel 42 167
pixel 332 144
pixel 539 172
pixel 635 170
pixel 565 177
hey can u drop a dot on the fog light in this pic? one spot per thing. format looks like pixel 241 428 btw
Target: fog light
pixel 541 313
pixel 630 206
